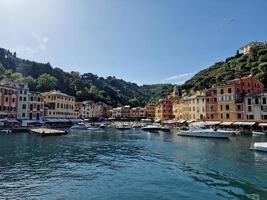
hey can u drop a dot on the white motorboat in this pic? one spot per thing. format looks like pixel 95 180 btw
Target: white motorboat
pixel 5 131
pixel 259 146
pixel 206 133
pixel 79 126
pixel 123 127
pixel 258 133
pixel 154 127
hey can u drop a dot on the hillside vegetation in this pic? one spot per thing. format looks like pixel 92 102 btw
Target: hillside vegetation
pixel 254 63
pixel 43 77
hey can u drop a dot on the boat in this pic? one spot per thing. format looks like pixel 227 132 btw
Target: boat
pixel 123 127
pixel 151 128
pixel 79 126
pixel 102 126
pixel 258 133
pixel 5 131
pixel 259 146
pixel 206 133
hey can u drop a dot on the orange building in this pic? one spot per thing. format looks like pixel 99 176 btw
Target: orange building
pixel 150 111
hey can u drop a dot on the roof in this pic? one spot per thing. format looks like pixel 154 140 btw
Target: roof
pixel 213 122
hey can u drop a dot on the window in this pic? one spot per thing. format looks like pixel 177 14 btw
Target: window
pixel 250 116
pixel 221 116
pixel 215 99
pixel 238 107
pixel 263 100
pixel 227 107
pixel 221 107
pixel 239 116
pixel 227 116
pixel 256 100
pixel 249 108
pixel 221 91
pixel 249 101
pixel 24 106
pixel 208 99
pixel 229 90
pixel 24 98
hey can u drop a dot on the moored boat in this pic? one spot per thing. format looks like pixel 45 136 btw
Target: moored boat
pixel 259 146
pixel 123 127
pixel 258 133
pixel 165 128
pixel 206 133
pixel 154 127
pixel 5 131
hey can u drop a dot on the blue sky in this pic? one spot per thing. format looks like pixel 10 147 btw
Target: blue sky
pixel 142 41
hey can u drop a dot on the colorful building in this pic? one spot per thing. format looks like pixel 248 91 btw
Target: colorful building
pixel 256 107
pixel 23 102
pixel 8 98
pixel 150 111
pixel 36 106
pixel 231 95
pixel 197 105
pixel 59 105
pixel 211 104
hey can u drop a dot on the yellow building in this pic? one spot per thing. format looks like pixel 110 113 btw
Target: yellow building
pixel 150 111
pixel 226 102
pixel 59 105
pixel 181 109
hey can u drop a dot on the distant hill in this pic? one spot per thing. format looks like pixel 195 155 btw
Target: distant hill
pixel 254 63
pixel 86 86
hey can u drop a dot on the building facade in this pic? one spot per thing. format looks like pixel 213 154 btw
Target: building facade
pixel 59 105
pixel 36 106
pixel 150 111
pixel 8 98
pixel 23 102
pixel 211 104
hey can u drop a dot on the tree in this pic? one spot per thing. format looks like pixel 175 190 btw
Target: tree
pixel 134 102
pixel 46 82
pixel 31 82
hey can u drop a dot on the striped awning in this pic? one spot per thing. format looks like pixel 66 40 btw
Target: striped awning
pixel 262 124
pixel 226 123
pixel 245 123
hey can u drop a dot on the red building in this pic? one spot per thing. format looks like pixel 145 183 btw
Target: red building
pixel 8 98
pixel 243 86
pixel 211 104
pixel 36 106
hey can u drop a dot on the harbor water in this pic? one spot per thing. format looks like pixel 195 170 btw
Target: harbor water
pixel 131 164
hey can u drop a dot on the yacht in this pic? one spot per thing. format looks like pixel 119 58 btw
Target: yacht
pixel 206 133
pixel 259 146
pixel 165 128
pixel 154 127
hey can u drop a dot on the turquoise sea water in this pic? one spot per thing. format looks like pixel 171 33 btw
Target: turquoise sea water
pixel 111 164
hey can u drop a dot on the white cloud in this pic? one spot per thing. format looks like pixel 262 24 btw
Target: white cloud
pixel 179 76
pixel 39 46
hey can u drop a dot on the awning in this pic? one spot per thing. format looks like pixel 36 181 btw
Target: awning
pixel 226 123
pixel 76 120
pixel 245 123
pixel 213 122
pixel 190 121
pixel 12 121
pixel 262 124
pixel 181 121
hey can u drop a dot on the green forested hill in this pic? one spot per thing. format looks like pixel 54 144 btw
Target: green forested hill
pixel 43 77
pixel 238 66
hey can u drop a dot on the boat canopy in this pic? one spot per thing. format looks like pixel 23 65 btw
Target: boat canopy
pixel 245 123
pixel 226 123
pixel 262 124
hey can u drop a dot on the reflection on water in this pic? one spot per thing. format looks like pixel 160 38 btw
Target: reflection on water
pixel 132 164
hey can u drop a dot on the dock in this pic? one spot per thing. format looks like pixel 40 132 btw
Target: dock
pixel 47 132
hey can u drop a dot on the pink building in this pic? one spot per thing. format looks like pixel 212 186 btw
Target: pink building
pixel 8 98
pixel 36 106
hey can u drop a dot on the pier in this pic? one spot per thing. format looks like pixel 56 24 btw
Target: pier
pixel 47 132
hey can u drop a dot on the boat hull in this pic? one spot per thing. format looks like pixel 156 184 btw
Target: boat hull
pixel 259 146
pixel 205 134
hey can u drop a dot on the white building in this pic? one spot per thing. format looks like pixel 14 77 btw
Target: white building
pixel 256 107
